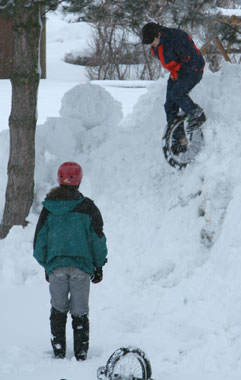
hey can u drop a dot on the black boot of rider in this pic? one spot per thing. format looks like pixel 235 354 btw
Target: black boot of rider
pixel 57 325
pixel 81 336
pixel 196 119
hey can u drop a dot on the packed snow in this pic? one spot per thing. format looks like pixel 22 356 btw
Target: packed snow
pixel 230 12
pixel 172 282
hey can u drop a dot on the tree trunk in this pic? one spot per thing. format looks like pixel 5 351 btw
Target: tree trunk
pixel 22 122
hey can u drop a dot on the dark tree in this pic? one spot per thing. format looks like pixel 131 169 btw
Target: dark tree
pixel 25 16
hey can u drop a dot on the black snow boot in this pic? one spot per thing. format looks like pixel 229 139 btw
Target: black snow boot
pixel 81 336
pixel 58 340
pixel 195 120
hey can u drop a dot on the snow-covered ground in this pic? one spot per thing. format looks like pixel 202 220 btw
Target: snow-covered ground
pixel 172 285
pixel 230 12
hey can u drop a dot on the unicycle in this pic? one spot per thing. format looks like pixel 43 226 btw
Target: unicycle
pixel 126 363
pixel 180 146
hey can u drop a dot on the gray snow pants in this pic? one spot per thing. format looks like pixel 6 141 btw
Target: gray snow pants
pixel 69 290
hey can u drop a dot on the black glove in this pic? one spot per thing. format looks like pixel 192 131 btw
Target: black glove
pixel 97 276
pixel 46 277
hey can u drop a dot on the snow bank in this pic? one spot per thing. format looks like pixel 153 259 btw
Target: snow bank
pixel 63 38
pixel 91 104
pixel 125 164
pixel 15 267
pixel 230 12
pixel 172 282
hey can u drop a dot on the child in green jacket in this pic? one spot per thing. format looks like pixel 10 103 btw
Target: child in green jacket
pixel 70 244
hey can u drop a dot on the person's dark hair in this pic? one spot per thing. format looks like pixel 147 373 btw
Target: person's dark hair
pixel 149 32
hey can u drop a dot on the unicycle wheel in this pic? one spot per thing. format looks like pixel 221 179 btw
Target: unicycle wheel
pixel 128 363
pixel 179 147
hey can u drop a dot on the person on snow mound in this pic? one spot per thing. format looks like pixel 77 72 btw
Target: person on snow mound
pixel 178 54
pixel 70 244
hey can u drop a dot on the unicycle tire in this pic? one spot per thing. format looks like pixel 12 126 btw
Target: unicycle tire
pixel 179 148
pixel 129 363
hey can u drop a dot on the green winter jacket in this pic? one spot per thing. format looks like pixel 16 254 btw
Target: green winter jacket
pixel 69 232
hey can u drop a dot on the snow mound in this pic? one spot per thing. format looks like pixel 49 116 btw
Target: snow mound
pixel 174 237
pixel 92 104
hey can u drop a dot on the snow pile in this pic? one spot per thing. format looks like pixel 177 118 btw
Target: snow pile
pixel 230 12
pixel 91 104
pixel 89 115
pixel 220 95
pixel 65 38
pixel 171 283
pixel 15 267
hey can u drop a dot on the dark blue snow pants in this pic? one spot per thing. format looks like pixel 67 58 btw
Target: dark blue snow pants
pixel 177 94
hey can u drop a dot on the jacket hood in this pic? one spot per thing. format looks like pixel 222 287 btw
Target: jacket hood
pixel 61 200
pixel 61 206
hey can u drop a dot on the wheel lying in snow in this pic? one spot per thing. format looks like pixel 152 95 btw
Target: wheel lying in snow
pixel 128 363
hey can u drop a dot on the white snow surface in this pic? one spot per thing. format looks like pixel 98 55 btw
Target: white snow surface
pixel 91 104
pixel 230 12
pixel 172 284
